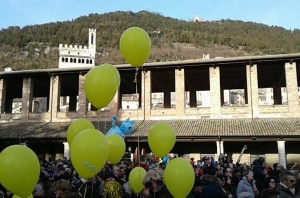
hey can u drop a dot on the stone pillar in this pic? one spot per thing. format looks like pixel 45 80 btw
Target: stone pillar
pixel 66 150
pixel 193 98
pixel 54 96
pixel 218 148
pixel 114 105
pixel 82 101
pixel 167 98
pixel 146 93
pixel 215 95
pixel 222 147
pixel 2 94
pixel 179 91
pixel 252 89
pixel 27 92
pixel 281 153
pixel 291 87
pixel 73 103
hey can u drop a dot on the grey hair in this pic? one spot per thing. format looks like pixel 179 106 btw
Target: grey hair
pixel 284 175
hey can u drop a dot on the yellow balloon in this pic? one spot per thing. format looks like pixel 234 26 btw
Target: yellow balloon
pixel 116 148
pixel 89 152
pixel 179 168
pixel 100 86
pixel 76 127
pixel 135 46
pixel 19 170
pixel 136 178
pixel 115 71
pixel 161 139
pixel 16 196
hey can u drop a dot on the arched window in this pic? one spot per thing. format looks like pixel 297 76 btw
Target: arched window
pixel 62 59
pixel 91 61
pixel 87 61
pixel 79 60
pixel 71 60
pixel 82 60
pixel 74 60
pixel 92 38
pixel 67 60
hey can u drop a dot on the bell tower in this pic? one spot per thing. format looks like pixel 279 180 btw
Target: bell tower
pixel 92 41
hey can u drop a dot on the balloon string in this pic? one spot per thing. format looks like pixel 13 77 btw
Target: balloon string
pixel 98 112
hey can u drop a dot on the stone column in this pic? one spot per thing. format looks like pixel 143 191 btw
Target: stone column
pixel 179 91
pixel 292 88
pixel 215 95
pixel 54 96
pixel 66 150
pixel 146 93
pixel 2 94
pixel 222 147
pixel 218 148
pixel 252 89
pixel 114 105
pixel 281 153
pixel 82 101
pixel 27 92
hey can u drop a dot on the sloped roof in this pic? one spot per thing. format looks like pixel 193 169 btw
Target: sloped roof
pixel 194 128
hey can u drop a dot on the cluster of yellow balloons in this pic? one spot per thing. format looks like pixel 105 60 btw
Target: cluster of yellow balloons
pixel 19 170
pixel 90 149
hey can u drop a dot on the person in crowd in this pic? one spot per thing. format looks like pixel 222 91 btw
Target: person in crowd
pixel 128 169
pixel 247 186
pixel 154 185
pixel 196 190
pixel 259 172
pixel 229 186
pixel 269 188
pixel 275 172
pixel 61 188
pixel 115 175
pixel 286 187
pixel 212 185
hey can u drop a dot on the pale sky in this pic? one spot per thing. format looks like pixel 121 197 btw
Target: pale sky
pixel 284 13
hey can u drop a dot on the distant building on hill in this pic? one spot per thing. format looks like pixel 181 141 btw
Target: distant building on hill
pixel 78 56
pixel 198 19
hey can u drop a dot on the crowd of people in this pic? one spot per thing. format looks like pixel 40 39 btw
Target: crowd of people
pixel 213 179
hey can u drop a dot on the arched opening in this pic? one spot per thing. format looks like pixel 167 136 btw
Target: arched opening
pixel 91 61
pixel 92 38
pixel 67 60
pixel 71 60
pixel 62 59
pixel 79 60
pixel 74 60
pixel 87 61
pixel 82 60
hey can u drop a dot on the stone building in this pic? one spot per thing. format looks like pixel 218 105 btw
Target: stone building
pixel 71 56
pixel 272 131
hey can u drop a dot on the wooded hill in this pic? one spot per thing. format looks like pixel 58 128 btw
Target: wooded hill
pixel 36 46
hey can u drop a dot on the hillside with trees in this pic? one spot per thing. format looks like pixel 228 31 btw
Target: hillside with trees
pixel 36 46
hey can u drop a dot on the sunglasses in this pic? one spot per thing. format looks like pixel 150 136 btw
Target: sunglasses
pixel 159 183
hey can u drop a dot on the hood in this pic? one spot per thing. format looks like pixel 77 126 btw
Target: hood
pixel 211 179
pixel 256 162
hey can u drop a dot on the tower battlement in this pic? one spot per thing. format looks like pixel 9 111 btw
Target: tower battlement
pixel 72 47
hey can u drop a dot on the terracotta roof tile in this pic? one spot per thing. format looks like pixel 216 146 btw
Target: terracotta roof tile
pixel 202 127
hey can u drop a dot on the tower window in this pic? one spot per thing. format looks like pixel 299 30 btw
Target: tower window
pixel 87 61
pixel 71 60
pixel 92 38
pixel 74 60
pixel 91 61
pixel 67 60
pixel 79 60
pixel 62 59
